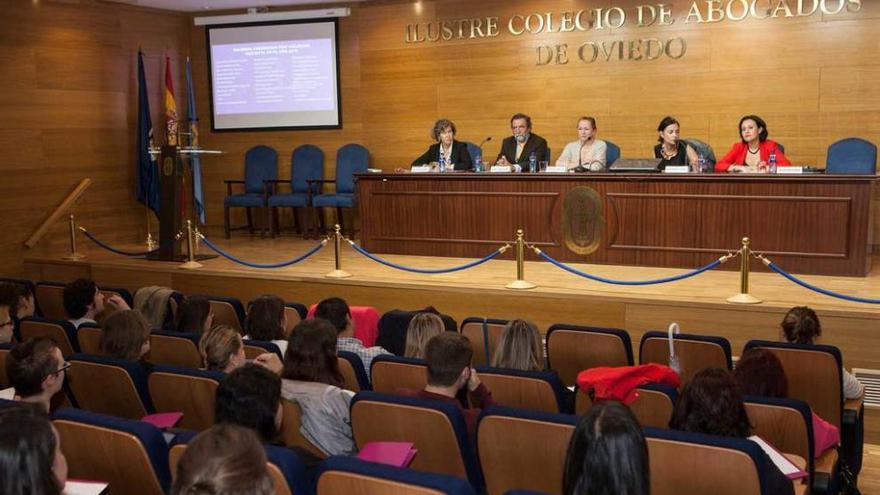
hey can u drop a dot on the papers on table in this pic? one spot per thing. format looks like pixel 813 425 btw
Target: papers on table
pixel 83 487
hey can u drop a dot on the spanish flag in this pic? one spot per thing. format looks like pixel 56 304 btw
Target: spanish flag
pixel 170 106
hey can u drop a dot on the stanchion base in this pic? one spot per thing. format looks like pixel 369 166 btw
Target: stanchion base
pixel 338 274
pixel 744 299
pixel 190 265
pixel 520 285
pixel 74 257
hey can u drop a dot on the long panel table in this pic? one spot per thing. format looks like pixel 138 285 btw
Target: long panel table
pixel 811 224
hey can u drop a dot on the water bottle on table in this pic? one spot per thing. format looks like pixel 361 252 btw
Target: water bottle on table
pixel 701 165
pixel 442 163
pixel 771 164
pixel 533 163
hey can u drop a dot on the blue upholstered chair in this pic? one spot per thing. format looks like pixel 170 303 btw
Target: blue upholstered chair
pixel 612 153
pixel 228 311
pixel 573 348
pixel 534 390
pixel 122 452
pixel 253 348
pixel 350 159
pixel 538 459
pixel 352 369
pixel 678 465
pixel 437 429
pixel 106 385
pixel 851 156
pixel 306 163
pixel 780 146
pixel 260 165
pixel 695 352
pixel 62 332
pixel 187 390
pixel 703 148
pixel 175 349
pixel 4 352
pixel 474 151
pixel 388 373
pixel 484 334
pixel 351 475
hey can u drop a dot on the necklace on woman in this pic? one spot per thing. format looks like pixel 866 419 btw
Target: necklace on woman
pixel 756 150
pixel 668 154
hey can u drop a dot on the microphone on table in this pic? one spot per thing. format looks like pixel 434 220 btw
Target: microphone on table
pixel 489 138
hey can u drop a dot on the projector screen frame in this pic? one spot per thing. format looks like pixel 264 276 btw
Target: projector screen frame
pixel 334 20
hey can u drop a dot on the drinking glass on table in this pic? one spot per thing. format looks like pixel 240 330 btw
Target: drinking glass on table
pixel 542 165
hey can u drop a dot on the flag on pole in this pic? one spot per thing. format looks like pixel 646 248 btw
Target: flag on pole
pixel 148 170
pixel 195 162
pixel 170 106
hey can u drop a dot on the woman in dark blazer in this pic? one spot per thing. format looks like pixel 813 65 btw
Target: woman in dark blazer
pixel 455 152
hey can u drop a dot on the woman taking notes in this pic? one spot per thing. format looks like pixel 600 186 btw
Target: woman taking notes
pixel 587 153
pixel 752 154
pixel 671 150
pixel 451 152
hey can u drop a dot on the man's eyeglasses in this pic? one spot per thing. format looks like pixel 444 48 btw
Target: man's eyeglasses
pixel 9 323
pixel 62 368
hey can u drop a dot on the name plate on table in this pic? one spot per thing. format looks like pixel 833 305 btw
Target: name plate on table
pixel 556 170
pixel 677 169
pixel 500 168
pixel 790 170
pixel 420 169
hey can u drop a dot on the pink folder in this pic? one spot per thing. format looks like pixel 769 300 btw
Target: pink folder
pixel 163 420
pixel 398 454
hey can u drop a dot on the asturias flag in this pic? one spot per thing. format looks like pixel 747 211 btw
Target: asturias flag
pixel 148 171
pixel 198 195
pixel 170 106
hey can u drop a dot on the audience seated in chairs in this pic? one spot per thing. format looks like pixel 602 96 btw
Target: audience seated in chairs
pixel 36 370
pixel 336 311
pixel 195 315
pixel 225 459
pixel 801 326
pixel 607 454
pixel 312 379
pixel 421 329
pixel 251 397
pixel 759 372
pixel 126 336
pixel 266 320
pixel 19 299
pixel 31 461
pixel 83 302
pixel 154 303
pixel 448 357
pixel 520 347
pixel 222 349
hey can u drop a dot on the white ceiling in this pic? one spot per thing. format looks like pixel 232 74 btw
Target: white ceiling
pixel 208 5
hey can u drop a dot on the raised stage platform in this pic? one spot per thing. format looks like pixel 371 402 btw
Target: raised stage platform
pixel 697 304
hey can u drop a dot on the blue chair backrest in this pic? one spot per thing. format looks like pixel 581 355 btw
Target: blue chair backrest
pixel 621 334
pixel 442 483
pixel 806 415
pixel 612 153
pixel 851 156
pixel 780 146
pixel 149 436
pixel 306 163
pixel 191 336
pixel 562 398
pixel 358 366
pixel 65 325
pixel 712 339
pixel 260 164
pixel 265 345
pixel 474 151
pixel 137 373
pixel 350 159
pixel 702 148
pixel 218 376
pixel 299 307
pixel 452 413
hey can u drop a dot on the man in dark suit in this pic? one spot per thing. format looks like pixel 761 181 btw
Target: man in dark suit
pixel 516 149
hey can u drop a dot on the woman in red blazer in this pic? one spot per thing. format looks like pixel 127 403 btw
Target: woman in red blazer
pixel 752 154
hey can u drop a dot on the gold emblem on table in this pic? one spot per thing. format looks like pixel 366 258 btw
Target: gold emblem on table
pixel 583 220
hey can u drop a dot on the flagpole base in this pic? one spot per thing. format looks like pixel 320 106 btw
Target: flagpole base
pixel 190 265
pixel 744 299
pixel 74 257
pixel 520 285
pixel 338 274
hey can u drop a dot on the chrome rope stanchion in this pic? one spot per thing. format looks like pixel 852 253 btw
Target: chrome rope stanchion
pixel 520 283
pixel 744 297
pixel 73 256
pixel 338 272
pixel 191 263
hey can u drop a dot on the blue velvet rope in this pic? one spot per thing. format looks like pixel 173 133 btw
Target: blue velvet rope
pixel 777 269
pixel 423 270
pixel 113 249
pixel 281 264
pixel 628 282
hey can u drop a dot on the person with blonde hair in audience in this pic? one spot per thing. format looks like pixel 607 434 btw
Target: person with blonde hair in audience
pixel 195 315
pixel 222 349
pixel 421 329
pixel 607 454
pixel 520 347
pixel 266 321
pixel 223 460
pixel 126 336
pixel 31 460
pixel 36 370
pixel 801 326
pixel 312 379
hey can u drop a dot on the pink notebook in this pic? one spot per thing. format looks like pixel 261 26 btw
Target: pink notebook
pixel 163 420
pixel 398 454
